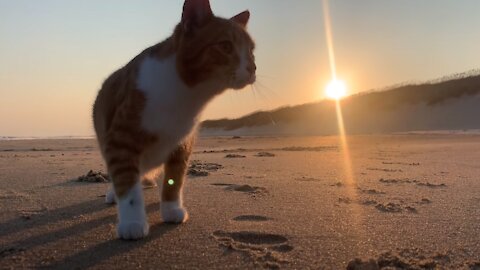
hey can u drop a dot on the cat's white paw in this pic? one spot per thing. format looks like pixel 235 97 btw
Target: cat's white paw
pixel 173 212
pixel 110 196
pixel 132 218
pixel 132 230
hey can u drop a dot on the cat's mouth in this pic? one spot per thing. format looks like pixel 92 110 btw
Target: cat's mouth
pixel 240 84
pixel 253 79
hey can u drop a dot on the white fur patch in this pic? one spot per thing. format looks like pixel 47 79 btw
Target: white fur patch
pixel 131 215
pixel 172 109
pixel 242 75
pixel 173 212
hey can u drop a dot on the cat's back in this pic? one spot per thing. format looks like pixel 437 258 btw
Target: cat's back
pixel 109 98
pixel 119 89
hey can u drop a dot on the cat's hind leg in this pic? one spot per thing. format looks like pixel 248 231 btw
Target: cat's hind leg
pixel 171 206
pixel 110 196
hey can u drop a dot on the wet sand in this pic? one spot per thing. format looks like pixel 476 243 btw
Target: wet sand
pixel 410 201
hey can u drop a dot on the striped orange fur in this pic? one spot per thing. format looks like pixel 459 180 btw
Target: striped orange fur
pixel 170 83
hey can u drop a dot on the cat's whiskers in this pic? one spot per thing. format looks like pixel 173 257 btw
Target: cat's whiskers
pixel 254 90
pixel 259 86
pixel 260 94
pixel 266 77
pixel 262 85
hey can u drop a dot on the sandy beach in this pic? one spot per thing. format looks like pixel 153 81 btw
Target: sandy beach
pixel 408 201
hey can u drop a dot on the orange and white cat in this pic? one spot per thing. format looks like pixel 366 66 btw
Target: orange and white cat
pixel 146 113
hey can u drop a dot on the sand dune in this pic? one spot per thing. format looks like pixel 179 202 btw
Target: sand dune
pixel 431 106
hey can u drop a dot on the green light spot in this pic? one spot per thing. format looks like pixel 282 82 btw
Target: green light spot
pixel 171 182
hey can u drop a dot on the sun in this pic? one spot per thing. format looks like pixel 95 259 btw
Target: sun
pixel 336 90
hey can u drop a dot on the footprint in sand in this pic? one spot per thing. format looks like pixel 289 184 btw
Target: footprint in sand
pixel 401 163
pixel 370 191
pixel 412 259
pixel 384 170
pixel 307 179
pixel 308 149
pixel 243 188
pixel 235 156
pixel 202 169
pixel 397 181
pixel 430 185
pixel 247 189
pixel 222 185
pixel 94 177
pixel 265 249
pixel 389 207
pixel 9 251
pixel 265 154
pixel 345 200
pixel 251 218
pixel 424 201
pixel 394 208
pixel 411 181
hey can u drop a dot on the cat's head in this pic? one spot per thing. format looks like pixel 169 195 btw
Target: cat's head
pixel 214 49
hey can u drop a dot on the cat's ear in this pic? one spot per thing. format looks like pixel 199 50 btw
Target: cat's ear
pixel 196 13
pixel 242 18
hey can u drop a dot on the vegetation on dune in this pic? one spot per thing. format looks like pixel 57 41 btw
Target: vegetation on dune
pixel 360 106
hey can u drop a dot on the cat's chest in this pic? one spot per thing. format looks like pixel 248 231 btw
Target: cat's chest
pixel 169 119
pixel 171 108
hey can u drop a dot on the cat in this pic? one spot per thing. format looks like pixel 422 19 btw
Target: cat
pixel 146 113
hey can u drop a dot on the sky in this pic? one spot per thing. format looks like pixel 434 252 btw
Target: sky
pixel 55 54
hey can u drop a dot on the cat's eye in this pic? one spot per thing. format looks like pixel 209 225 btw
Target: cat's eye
pixel 226 46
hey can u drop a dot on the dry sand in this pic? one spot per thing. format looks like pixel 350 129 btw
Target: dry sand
pixel 413 203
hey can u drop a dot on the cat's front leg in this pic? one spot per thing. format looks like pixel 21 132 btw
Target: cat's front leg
pixel 110 194
pixel 132 218
pixel 124 170
pixel 171 207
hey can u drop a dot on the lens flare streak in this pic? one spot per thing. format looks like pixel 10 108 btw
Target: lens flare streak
pixel 350 183
pixel 344 145
pixel 338 85
pixel 329 37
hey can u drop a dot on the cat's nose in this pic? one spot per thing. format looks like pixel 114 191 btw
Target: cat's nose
pixel 251 68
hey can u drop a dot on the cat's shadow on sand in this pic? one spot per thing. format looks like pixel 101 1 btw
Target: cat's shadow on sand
pixel 102 251
pixel 87 257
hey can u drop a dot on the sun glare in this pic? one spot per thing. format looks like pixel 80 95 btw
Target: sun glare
pixel 336 90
